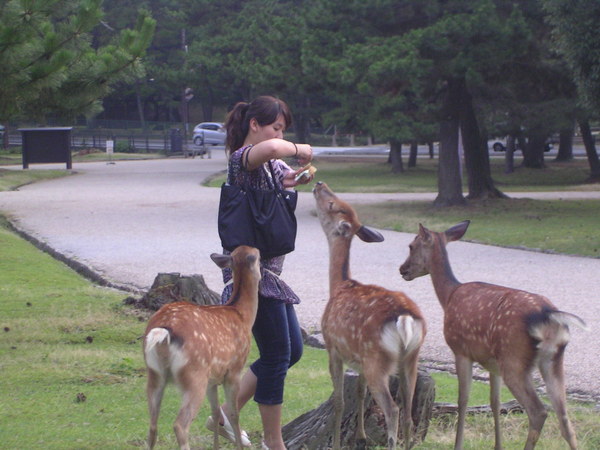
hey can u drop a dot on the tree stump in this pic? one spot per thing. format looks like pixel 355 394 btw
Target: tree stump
pixel 172 287
pixel 313 430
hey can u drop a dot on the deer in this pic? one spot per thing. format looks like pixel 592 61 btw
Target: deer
pixel 507 331
pixel 375 331
pixel 202 346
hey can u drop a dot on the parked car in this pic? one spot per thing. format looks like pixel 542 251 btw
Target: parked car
pixel 209 133
pixel 501 147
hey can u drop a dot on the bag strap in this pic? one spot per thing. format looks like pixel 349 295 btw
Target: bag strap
pixel 275 187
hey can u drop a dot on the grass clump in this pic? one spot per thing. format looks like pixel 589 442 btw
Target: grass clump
pixel 556 226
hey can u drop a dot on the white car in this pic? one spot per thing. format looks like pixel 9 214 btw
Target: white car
pixel 209 133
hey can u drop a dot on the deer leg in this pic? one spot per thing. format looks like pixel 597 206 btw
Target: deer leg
pixel 495 385
pixel 361 391
pixel 155 388
pixel 193 388
pixel 231 388
pixel 520 383
pixel 384 399
pixel 215 409
pixel 407 380
pixel 336 371
pixel 464 372
pixel 379 386
pixel 553 374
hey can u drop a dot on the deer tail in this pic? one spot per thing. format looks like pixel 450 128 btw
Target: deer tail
pixel 551 329
pixel 405 334
pixel 154 337
pixel 568 319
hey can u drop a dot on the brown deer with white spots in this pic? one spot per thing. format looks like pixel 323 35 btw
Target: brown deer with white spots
pixel 200 347
pixel 375 331
pixel 508 331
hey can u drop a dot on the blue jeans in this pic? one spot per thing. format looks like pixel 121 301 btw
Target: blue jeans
pixel 279 340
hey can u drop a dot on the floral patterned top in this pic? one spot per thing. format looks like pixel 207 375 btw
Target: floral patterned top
pixel 270 285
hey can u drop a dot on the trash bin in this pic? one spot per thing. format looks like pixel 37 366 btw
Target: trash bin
pixel 176 140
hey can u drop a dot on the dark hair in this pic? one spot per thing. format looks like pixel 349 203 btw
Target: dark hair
pixel 265 109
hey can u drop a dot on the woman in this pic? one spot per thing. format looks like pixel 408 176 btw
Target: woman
pixel 255 138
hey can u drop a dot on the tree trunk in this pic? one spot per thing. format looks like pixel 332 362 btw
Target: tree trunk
pixel 565 145
pixel 533 152
pixel 313 430
pixel 140 107
pixel 449 176
pixel 509 157
pixel 477 157
pixel 430 146
pixel 396 157
pixel 5 136
pixel 590 150
pixel 412 157
pixel 207 107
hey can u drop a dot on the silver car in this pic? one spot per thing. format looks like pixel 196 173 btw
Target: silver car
pixel 209 133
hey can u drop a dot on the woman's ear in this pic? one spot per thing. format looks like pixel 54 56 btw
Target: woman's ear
pixel 253 125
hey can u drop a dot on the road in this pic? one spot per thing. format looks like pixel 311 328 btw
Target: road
pixel 130 220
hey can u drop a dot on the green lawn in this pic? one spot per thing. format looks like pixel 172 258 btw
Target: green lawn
pixel 73 373
pixel 70 353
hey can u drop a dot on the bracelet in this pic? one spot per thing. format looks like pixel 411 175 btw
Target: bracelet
pixel 296 147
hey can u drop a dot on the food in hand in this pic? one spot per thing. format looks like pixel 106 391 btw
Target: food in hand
pixel 307 171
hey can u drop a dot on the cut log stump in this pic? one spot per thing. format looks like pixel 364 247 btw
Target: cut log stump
pixel 173 287
pixel 313 430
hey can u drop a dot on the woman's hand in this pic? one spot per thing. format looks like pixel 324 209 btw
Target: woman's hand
pixel 305 154
pixel 289 179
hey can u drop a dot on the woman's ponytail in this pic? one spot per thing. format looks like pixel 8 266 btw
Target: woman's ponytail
pixel 236 127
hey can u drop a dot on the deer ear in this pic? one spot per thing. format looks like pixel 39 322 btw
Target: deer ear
pixel 457 231
pixel 369 235
pixel 344 227
pixel 423 232
pixel 222 261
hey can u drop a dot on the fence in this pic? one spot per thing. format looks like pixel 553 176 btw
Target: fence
pixel 128 137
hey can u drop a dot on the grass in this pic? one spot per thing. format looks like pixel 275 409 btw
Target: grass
pixel 13 156
pixel 557 226
pixel 73 373
pixel 72 367
pixel 13 179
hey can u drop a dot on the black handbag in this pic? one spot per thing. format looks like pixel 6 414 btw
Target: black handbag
pixel 263 219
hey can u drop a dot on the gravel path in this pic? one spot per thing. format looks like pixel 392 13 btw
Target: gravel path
pixel 131 220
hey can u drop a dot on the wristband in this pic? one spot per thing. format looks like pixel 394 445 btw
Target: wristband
pixel 296 147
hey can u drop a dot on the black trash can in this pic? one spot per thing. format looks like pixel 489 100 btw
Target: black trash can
pixel 176 140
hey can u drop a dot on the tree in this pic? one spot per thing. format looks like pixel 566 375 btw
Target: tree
pixel 577 38
pixel 50 65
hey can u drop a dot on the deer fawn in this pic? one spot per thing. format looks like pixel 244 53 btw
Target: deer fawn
pixel 506 330
pixel 200 347
pixel 373 330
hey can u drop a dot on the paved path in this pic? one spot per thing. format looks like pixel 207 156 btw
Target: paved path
pixel 131 220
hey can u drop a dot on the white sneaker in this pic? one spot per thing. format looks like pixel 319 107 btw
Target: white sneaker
pixel 226 430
